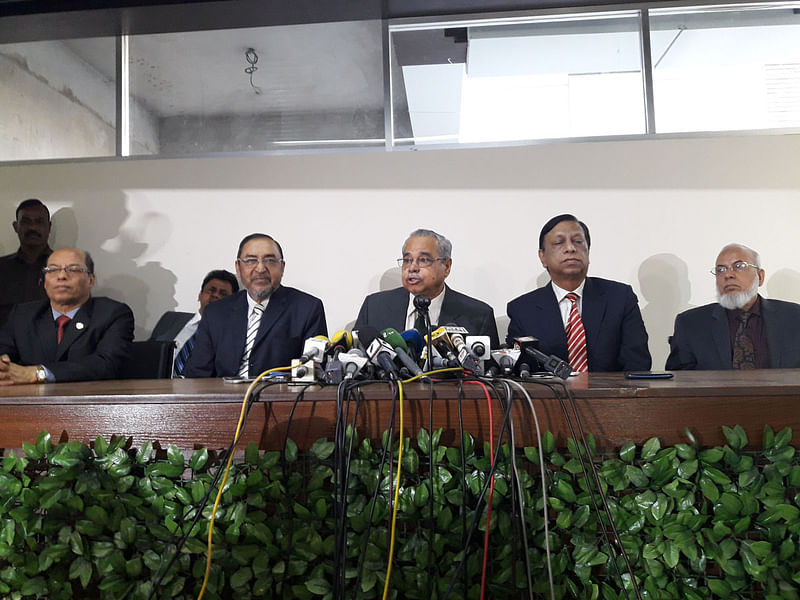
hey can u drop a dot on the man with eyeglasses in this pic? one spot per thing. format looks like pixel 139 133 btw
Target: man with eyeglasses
pixel 426 263
pixel 70 336
pixel 593 323
pixel 263 326
pixel 21 272
pixel 741 330
pixel 181 327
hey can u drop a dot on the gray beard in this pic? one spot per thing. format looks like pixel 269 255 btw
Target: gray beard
pixel 737 300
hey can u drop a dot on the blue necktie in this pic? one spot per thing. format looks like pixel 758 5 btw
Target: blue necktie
pixel 183 356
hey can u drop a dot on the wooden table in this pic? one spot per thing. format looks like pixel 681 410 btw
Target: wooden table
pixel 204 412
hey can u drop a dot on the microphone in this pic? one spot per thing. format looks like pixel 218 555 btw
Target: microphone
pixel 413 340
pixel 421 303
pixel 378 351
pixel 552 364
pixel 457 334
pixel 443 344
pixel 479 347
pixel 341 341
pixel 353 362
pixel 398 344
pixel 314 348
pixel 506 359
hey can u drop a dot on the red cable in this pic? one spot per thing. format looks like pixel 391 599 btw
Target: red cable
pixel 491 487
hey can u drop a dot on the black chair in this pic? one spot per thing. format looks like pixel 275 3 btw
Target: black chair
pixel 149 359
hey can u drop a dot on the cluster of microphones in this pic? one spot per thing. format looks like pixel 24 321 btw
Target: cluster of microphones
pixel 367 353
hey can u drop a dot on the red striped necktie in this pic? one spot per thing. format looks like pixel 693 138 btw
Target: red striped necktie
pixel 576 337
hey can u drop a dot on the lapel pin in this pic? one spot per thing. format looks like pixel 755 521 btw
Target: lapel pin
pixel 79 325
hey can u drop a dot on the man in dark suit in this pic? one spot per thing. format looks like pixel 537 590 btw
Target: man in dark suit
pixel 426 264
pixel 261 327
pixel 741 330
pixel 180 327
pixel 70 336
pixel 606 313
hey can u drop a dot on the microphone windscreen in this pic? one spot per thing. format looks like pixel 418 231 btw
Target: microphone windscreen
pixel 394 339
pixel 421 302
pixel 414 341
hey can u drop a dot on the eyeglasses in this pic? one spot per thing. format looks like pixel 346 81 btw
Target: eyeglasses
pixel 423 262
pixel 268 261
pixel 69 269
pixel 738 267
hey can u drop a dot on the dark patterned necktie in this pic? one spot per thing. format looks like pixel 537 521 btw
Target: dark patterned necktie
pixel 419 324
pixel 253 324
pixel 744 356
pixel 183 356
pixel 62 321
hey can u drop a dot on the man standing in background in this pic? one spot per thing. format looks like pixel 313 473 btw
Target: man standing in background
pixel 21 272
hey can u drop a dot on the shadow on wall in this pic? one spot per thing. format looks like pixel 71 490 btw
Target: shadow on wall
pixel 149 288
pixel 664 284
pixel 784 284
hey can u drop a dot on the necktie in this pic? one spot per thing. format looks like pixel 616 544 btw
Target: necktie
pixel 183 356
pixel 576 338
pixel 419 324
pixel 62 321
pixel 744 356
pixel 252 329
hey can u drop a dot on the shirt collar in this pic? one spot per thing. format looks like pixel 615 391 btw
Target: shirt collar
pixel 561 292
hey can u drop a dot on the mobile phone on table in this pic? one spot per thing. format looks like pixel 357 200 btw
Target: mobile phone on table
pixel 649 375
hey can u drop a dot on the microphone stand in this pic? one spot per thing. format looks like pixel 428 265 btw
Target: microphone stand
pixel 421 303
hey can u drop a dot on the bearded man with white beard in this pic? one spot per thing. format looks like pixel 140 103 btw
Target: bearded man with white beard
pixel 742 330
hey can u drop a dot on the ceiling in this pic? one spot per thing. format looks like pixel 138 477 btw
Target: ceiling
pixel 320 67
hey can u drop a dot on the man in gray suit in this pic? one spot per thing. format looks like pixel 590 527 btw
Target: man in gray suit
pixel 426 264
pixel 742 330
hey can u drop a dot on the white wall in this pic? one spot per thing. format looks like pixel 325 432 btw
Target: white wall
pixel 658 210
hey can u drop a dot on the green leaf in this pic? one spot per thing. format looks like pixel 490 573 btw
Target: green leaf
pixel 651 448
pixel 199 459
pixel 174 456
pixel 31 451
pixel 628 452
pixel 318 586
pixel 291 451
pixel 720 587
pixel 548 442
pixel 81 569
pixel 43 443
pixel 322 449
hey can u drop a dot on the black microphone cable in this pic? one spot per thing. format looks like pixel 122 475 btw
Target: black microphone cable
pixel 543 474
pixel 613 535
pixel 479 502
pixel 251 397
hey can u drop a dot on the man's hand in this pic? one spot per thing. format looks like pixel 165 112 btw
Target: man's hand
pixel 12 373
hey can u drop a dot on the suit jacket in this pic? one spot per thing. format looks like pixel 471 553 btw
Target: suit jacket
pixel 170 325
pixel 388 309
pixel 291 317
pixel 702 340
pixel 96 341
pixel 616 339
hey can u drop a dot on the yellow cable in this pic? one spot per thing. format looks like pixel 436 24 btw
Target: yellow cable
pixel 227 471
pixel 448 370
pixel 396 496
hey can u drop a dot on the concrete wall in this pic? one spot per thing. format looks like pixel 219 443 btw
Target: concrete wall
pixel 659 211
pixel 55 105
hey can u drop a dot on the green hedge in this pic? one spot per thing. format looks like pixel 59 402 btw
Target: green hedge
pixel 100 522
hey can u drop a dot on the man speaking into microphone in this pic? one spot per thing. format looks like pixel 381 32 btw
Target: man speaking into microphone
pixel 426 263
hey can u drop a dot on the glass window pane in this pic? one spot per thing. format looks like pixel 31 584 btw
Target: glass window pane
pixel 553 77
pixel 257 89
pixel 57 102
pixel 726 68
